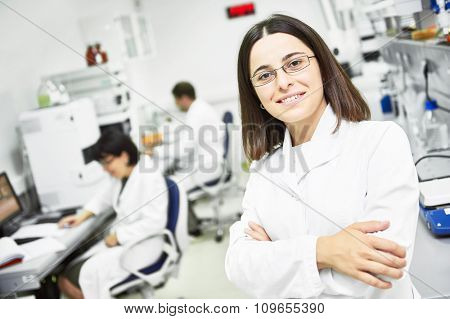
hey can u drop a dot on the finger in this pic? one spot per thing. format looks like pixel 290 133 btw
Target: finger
pixel 256 227
pixel 259 229
pixel 381 269
pixel 371 226
pixel 61 222
pixel 387 259
pixel 372 280
pixel 70 223
pixel 255 235
pixel 388 246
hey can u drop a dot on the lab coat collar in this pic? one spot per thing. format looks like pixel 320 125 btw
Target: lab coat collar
pixel 142 164
pixel 322 148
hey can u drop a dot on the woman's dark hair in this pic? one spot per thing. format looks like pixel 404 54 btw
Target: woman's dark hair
pixel 183 88
pixel 113 142
pixel 261 132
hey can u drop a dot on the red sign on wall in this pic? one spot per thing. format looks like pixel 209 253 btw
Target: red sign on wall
pixel 241 10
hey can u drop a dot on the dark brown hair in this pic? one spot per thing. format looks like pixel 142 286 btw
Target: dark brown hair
pixel 183 88
pixel 114 142
pixel 261 132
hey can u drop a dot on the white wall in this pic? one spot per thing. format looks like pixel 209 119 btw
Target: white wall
pixel 27 53
pixel 194 40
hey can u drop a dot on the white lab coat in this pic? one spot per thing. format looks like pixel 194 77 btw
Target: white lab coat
pixel 362 172
pixel 201 143
pixel 141 211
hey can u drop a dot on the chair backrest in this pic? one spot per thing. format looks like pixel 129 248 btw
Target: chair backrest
pixel 227 119
pixel 177 214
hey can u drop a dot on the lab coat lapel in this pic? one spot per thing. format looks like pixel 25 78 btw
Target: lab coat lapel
pixel 127 188
pixel 321 149
pixel 294 165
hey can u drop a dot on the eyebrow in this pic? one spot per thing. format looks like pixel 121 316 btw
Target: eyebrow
pixel 265 66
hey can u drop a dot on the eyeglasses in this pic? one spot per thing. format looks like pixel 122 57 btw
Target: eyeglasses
pixel 294 65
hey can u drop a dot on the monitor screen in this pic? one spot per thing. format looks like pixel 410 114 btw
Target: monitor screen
pixel 9 203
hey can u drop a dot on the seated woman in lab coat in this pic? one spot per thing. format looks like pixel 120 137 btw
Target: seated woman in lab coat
pixel 138 194
pixel 331 206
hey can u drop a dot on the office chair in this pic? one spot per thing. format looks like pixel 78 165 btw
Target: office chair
pixel 215 190
pixel 176 240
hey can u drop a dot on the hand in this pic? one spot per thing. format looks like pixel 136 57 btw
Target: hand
pixel 257 232
pixel 70 221
pixel 355 253
pixel 111 240
pixel 74 220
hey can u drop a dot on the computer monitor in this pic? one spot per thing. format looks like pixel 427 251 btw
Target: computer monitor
pixel 9 202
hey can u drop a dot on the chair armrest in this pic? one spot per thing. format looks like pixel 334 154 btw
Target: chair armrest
pixel 223 176
pixel 171 249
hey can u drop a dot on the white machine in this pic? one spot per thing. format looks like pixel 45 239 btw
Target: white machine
pixel 105 86
pixel 59 143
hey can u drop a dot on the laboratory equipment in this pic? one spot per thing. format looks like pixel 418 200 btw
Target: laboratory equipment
pixel 435 205
pixel 106 86
pixel 59 144
pixel 434 185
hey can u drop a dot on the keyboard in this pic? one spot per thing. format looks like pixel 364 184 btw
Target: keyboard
pixel 43 220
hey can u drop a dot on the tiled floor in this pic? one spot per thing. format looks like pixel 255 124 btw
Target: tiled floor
pixel 202 273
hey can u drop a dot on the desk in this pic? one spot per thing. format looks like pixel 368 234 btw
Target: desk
pixel 27 276
pixel 431 263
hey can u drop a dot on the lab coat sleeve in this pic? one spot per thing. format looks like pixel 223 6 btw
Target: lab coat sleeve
pixel 393 195
pixel 266 269
pixel 151 205
pixel 102 201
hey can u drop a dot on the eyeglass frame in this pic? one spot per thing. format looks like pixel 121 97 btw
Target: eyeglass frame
pixel 282 67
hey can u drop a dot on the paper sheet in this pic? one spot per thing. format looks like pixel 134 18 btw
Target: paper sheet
pixel 39 230
pixel 41 247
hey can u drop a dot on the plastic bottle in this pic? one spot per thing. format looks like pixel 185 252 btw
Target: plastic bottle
pixel 434 128
pixel 64 95
pixel 48 94
pixel 443 12
pixel 447 12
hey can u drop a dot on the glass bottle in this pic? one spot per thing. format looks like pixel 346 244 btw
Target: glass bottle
pixel 434 128
pixel 90 55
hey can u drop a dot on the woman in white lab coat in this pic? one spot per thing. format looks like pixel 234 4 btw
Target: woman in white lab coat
pixel 138 194
pixel 331 206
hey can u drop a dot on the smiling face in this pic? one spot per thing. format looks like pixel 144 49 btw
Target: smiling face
pixel 290 97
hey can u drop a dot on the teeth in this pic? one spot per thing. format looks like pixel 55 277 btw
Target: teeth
pixel 289 99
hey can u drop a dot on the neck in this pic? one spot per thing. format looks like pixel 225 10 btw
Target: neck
pixel 128 171
pixel 302 131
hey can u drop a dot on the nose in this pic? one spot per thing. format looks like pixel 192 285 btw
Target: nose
pixel 284 80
